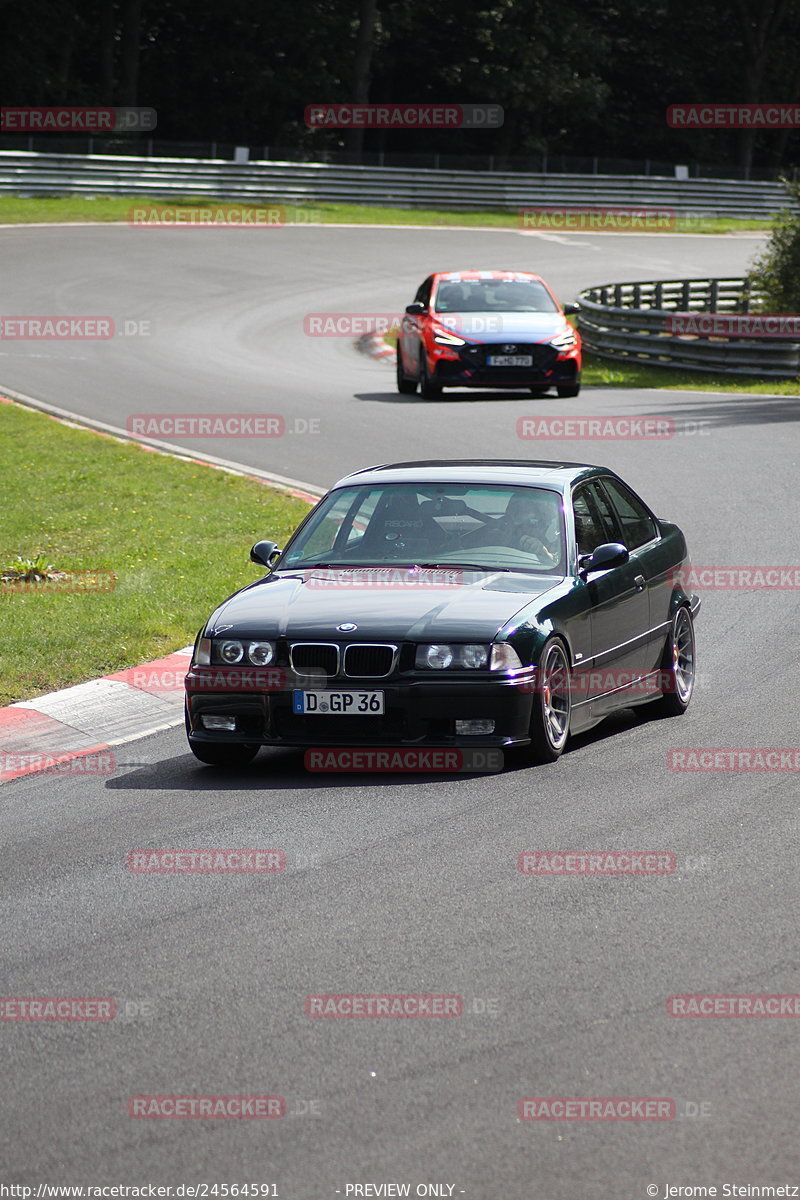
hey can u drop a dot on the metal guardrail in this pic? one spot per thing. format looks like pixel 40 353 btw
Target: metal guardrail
pixel 292 183
pixel 137 146
pixel 628 322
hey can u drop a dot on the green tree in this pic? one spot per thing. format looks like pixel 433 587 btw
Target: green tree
pixel 776 272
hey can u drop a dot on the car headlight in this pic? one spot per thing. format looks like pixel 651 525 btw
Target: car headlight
pixel 504 658
pixel 448 339
pixel 438 657
pixel 474 656
pixel 565 340
pixel 261 654
pixel 231 652
pixel 435 656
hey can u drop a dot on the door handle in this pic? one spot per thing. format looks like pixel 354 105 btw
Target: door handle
pixel 640 582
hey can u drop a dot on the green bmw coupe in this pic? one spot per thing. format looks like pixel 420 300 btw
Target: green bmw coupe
pixel 450 603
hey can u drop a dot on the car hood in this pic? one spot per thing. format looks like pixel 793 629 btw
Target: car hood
pixel 394 604
pixel 504 327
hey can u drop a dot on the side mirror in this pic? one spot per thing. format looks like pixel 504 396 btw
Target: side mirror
pixel 603 558
pixel 416 309
pixel 265 553
pixel 570 310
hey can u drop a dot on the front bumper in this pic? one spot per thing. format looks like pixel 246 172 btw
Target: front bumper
pixel 549 372
pixel 417 713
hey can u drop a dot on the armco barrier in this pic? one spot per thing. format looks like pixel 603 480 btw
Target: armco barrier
pixel 35 174
pixel 628 322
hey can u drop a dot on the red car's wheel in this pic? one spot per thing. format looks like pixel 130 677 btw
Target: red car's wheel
pixel 427 388
pixel 406 386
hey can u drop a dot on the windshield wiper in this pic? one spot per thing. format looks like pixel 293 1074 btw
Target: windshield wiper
pixel 467 566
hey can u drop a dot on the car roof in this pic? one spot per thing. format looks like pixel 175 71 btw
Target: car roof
pixel 473 273
pixel 557 475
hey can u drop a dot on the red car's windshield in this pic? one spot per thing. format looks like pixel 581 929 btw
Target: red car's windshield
pixel 493 295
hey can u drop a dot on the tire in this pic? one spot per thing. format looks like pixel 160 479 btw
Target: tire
pixel 550 721
pixel 224 754
pixel 427 388
pixel 568 391
pixel 678 667
pixel 407 387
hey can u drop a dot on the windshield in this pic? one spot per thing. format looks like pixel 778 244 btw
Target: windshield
pixel 494 295
pixel 492 527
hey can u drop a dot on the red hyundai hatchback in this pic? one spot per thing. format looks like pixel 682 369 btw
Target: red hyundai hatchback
pixel 487 329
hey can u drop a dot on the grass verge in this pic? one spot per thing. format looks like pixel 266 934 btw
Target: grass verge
pixel 20 210
pixel 638 375
pixel 176 535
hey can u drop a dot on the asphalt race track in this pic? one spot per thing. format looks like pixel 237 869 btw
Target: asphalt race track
pixel 397 883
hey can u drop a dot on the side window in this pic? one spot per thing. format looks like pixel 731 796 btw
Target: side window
pixel 635 521
pixel 591 529
pixel 423 295
pixel 611 530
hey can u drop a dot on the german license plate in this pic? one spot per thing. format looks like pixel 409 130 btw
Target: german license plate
pixel 349 703
pixel 510 360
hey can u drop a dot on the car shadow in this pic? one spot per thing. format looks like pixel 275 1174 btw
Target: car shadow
pixel 610 727
pixel 279 770
pixel 467 396
pixel 272 770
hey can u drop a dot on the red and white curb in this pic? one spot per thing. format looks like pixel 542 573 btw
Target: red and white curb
pixel 52 731
pixel 373 345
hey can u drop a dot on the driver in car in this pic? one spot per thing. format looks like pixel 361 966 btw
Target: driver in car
pixel 533 523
